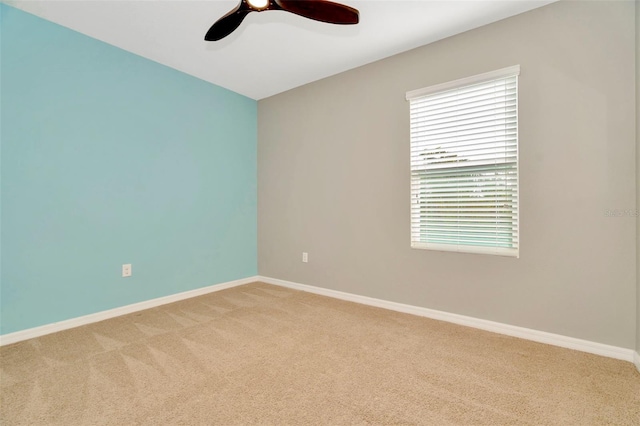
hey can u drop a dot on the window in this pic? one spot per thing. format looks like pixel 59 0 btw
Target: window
pixel 464 164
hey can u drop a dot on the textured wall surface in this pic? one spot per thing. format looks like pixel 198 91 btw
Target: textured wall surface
pixel 333 173
pixel 108 158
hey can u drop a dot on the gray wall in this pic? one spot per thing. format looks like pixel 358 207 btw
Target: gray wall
pixel 638 175
pixel 333 178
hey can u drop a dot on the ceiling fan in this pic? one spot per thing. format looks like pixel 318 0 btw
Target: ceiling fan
pixel 319 10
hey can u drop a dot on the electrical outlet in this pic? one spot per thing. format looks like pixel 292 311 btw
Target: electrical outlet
pixel 126 270
pixel 305 257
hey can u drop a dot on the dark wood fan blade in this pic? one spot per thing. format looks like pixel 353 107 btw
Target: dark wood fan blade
pixel 229 22
pixel 321 10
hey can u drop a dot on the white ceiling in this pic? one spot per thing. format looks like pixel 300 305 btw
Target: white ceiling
pixel 272 51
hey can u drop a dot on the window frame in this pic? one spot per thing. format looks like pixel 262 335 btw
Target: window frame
pixel 514 251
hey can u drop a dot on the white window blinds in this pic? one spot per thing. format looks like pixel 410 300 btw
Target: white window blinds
pixel 464 164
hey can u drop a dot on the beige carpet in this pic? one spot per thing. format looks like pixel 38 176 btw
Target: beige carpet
pixel 259 354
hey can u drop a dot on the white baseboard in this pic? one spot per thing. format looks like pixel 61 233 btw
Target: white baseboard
pixel 30 333
pixel 496 327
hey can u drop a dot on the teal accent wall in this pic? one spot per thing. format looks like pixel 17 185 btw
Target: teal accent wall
pixel 108 158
